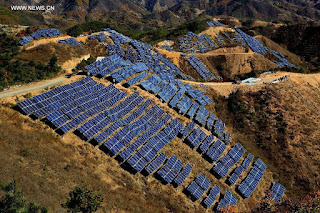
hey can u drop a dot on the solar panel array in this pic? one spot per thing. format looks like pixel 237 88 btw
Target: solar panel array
pixel 257 47
pixel 136 51
pixel 219 128
pixel 176 92
pixel 229 160
pixel 214 192
pixel 38 34
pixel 277 191
pixel 202 115
pixel 191 43
pixel 136 130
pixel 185 172
pixel 196 137
pixel 101 37
pixel 214 24
pixel 216 150
pixel 170 169
pixel 70 41
pixel 252 180
pixel 200 68
pixel 199 186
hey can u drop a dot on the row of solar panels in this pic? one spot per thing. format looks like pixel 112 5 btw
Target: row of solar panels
pixel 277 191
pixel 70 41
pixel 101 37
pixel 38 34
pixel 175 98
pixel 142 53
pixel 109 119
pixel 200 68
pixel 191 43
pixel 214 24
pixel 258 47
pixel 250 183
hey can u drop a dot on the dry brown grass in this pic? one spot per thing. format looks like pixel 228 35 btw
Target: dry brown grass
pixel 37 158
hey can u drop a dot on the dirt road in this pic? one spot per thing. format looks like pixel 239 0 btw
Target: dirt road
pixel 29 88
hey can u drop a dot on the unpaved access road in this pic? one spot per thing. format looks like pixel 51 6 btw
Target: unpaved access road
pixel 29 88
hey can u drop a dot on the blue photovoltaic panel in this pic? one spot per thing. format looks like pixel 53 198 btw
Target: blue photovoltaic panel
pixel 176 98
pixel 196 137
pixel 239 170
pixel 155 164
pixel 209 200
pixel 215 190
pixel 277 191
pixel 203 182
pixel 193 109
pixel 170 169
pixel 247 161
pixel 245 190
pixel 187 129
pixel 260 165
pixel 233 178
pixel 137 162
pixel 183 175
pixel 206 143
pixel 195 190
pixel 220 169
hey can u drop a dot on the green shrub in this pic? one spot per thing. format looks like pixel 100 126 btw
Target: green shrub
pixel 13 201
pixel 82 199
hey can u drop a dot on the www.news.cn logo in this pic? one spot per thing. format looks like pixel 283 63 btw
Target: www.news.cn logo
pixel 31 8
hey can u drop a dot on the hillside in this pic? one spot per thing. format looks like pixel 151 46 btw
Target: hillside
pixel 283 122
pixel 158 128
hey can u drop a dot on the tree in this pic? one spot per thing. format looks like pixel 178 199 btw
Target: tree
pixel 82 199
pixel 14 202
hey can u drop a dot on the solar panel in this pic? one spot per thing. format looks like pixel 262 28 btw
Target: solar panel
pixel 187 129
pixel 206 143
pixel 183 175
pixel 260 165
pixel 277 191
pixel 215 190
pixel 156 163
pixel 209 200
pixel 137 162
pixel 203 182
pixel 195 190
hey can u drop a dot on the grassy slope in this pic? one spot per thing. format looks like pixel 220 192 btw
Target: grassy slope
pixel 37 158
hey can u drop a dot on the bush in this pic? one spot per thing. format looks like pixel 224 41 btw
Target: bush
pixel 90 26
pixel 13 201
pixel 307 204
pixel 82 199
pixel 84 63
